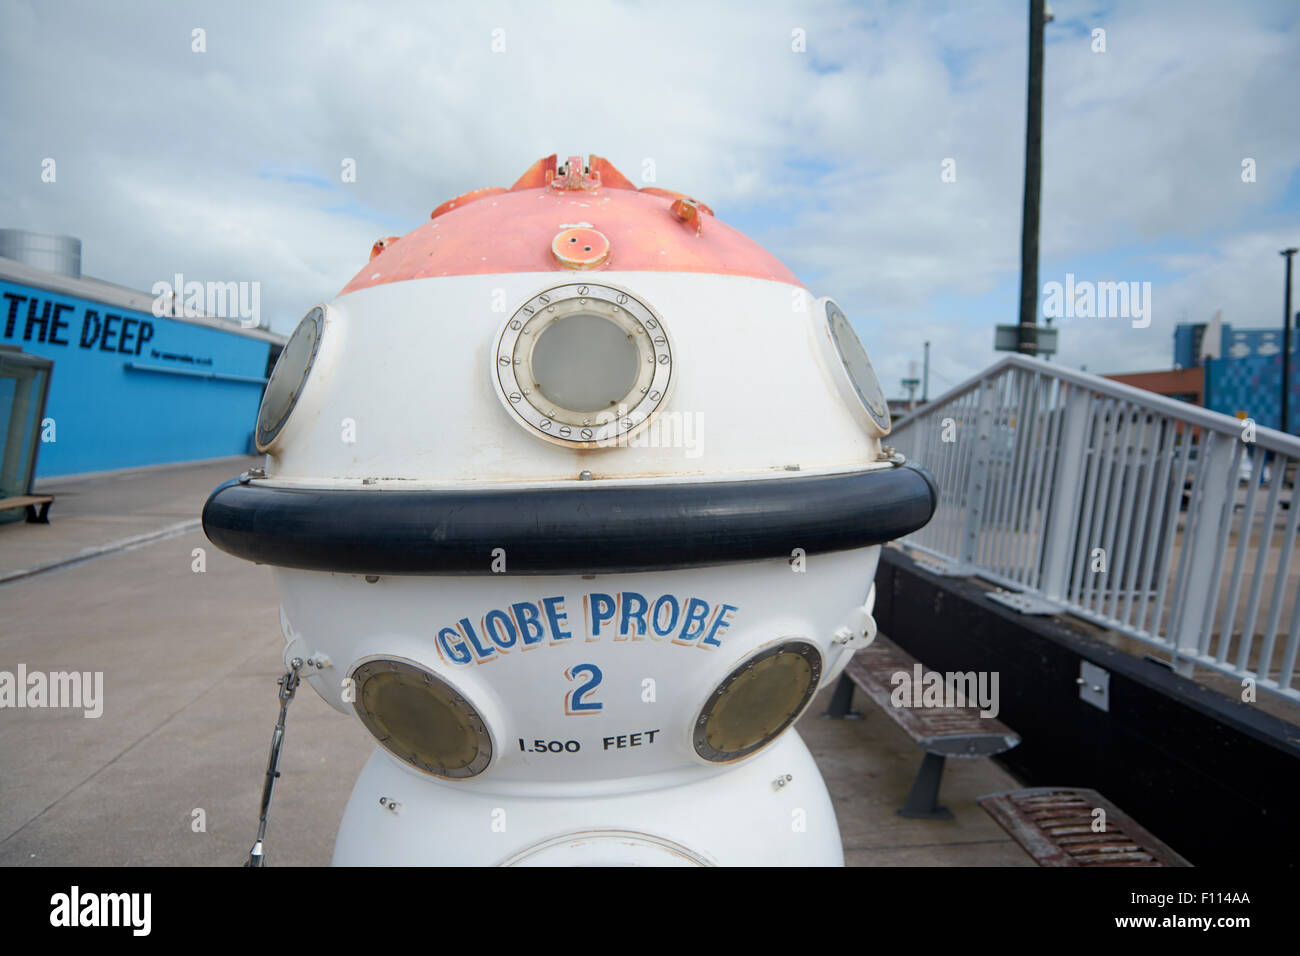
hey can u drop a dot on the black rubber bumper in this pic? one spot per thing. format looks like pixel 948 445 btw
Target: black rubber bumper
pixel 587 529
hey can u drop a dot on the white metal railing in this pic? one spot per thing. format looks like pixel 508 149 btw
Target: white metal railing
pixel 1166 522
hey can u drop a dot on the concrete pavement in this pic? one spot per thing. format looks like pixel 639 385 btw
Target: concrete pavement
pixel 93 512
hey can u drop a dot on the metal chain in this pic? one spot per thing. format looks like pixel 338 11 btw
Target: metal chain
pixel 288 687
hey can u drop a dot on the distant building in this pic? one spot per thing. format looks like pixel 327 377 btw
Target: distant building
pixel 1184 384
pixel 128 387
pixel 1187 345
pixel 1246 379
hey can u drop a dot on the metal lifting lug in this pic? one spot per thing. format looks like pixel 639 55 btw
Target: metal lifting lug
pixel 309 664
pixel 858 632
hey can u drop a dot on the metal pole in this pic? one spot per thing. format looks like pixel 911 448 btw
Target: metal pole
pixel 1286 342
pixel 1063 517
pixel 1033 184
pixel 925 386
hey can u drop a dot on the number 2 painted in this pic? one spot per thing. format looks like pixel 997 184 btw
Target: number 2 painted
pixel 574 705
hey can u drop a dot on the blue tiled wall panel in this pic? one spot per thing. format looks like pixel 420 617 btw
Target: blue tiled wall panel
pixel 1253 385
pixel 107 415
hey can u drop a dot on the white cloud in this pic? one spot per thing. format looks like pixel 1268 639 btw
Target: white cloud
pixel 168 159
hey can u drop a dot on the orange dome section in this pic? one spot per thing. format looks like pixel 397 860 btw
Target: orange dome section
pixel 494 230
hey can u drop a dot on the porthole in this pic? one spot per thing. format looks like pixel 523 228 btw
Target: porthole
pixel 583 365
pixel 757 701
pixel 857 381
pixel 421 719
pixel 289 377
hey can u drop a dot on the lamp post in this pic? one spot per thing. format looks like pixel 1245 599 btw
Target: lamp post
pixel 1286 341
pixel 1039 15
pixel 925 387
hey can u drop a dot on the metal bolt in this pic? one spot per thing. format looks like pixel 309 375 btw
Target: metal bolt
pixel 584 475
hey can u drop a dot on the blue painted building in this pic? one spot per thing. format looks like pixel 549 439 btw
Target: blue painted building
pixel 1246 380
pixel 1187 344
pixel 129 387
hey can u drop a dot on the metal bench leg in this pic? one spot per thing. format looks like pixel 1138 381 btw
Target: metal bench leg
pixel 42 518
pixel 842 700
pixel 923 799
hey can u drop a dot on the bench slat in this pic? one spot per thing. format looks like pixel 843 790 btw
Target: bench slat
pixel 35 515
pixel 946 731
pixel 943 732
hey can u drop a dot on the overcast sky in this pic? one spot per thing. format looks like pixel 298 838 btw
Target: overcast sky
pixel 225 164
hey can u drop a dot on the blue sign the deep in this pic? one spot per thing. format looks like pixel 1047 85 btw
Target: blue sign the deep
pixel 129 388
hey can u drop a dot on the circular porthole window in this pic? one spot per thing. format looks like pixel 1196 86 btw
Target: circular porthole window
pixel 421 719
pixel 289 376
pixel 757 701
pixel 852 370
pixel 583 365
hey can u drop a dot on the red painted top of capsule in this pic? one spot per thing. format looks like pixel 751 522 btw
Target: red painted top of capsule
pixel 496 230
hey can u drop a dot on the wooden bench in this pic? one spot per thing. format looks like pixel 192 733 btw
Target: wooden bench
pixel 30 502
pixel 1061 826
pixel 941 732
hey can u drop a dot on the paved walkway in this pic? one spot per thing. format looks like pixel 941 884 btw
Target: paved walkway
pixel 104 511
pixel 190 662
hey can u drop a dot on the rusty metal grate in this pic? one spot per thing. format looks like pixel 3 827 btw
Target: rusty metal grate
pixel 1055 825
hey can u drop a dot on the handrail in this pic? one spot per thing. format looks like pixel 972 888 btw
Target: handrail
pixel 1158 519
pixel 1269 438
